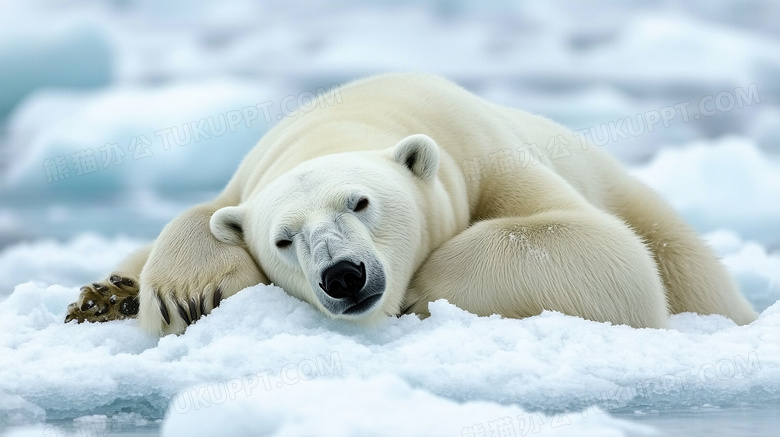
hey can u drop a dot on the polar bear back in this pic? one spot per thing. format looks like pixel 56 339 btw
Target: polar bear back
pixel 481 142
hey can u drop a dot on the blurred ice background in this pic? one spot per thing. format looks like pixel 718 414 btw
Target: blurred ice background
pixel 100 105
pixel 82 76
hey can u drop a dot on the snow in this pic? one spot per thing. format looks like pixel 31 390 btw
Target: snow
pixel 84 259
pixel 746 183
pixel 76 55
pixel 79 77
pixel 261 341
pixel 312 409
pixel 756 271
pixel 670 48
pixel 153 128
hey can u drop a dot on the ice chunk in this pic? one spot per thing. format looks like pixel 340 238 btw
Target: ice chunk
pixel 84 259
pixel 16 411
pixel 185 136
pixel 663 49
pixel 756 271
pixel 726 184
pixel 74 55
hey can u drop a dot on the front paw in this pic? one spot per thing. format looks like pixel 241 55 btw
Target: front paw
pixel 189 272
pixel 169 306
pixel 174 298
pixel 189 306
pixel 114 299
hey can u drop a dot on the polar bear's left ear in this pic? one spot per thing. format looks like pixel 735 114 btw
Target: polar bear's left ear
pixel 227 225
pixel 419 153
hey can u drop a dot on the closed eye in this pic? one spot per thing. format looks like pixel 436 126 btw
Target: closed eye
pixel 361 205
pixel 281 244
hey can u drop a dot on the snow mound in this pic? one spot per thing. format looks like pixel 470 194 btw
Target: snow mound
pixel 384 405
pixel 183 136
pixel 16 411
pixel 264 339
pixel 84 259
pixel 662 49
pixel 75 55
pixel 756 271
pixel 728 183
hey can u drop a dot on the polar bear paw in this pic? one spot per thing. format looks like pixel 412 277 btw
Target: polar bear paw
pixel 114 299
pixel 169 303
pixel 189 307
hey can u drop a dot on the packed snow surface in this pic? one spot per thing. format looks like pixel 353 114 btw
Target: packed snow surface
pixel 263 352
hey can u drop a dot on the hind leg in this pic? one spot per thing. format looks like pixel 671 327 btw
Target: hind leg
pixel 116 297
pixel 694 278
pixel 581 262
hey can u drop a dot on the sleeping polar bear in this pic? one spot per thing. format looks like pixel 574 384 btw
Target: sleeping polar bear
pixel 411 190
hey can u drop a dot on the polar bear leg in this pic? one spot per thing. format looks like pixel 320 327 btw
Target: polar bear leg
pixel 189 272
pixel 584 263
pixel 134 263
pixel 694 279
pixel 172 282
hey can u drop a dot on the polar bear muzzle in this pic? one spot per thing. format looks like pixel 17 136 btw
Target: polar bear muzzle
pixel 344 279
pixel 351 288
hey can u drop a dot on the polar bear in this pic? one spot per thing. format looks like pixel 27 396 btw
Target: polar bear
pixel 409 190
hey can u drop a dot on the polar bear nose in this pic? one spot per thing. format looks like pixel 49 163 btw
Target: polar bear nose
pixel 343 279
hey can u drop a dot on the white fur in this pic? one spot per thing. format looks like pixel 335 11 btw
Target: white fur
pixel 575 234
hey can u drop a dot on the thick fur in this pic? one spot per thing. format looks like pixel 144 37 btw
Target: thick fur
pixel 382 179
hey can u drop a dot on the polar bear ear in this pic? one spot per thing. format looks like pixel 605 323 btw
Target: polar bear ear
pixel 419 153
pixel 227 225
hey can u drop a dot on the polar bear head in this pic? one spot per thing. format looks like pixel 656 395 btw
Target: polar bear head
pixel 344 232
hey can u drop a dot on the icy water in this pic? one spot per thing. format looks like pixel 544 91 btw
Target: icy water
pixel 712 422
pixel 63 429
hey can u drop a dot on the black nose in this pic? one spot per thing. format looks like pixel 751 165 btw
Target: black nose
pixel 343 279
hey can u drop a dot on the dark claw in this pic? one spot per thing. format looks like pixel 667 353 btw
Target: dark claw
pixel 217 298
pixel 87 305
pixel 163 309
pixel 194 309
pixel 72 308
pixel 115 279
pixel 202 301
pixel 183 313
pixel 102 289
pixel 70 316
